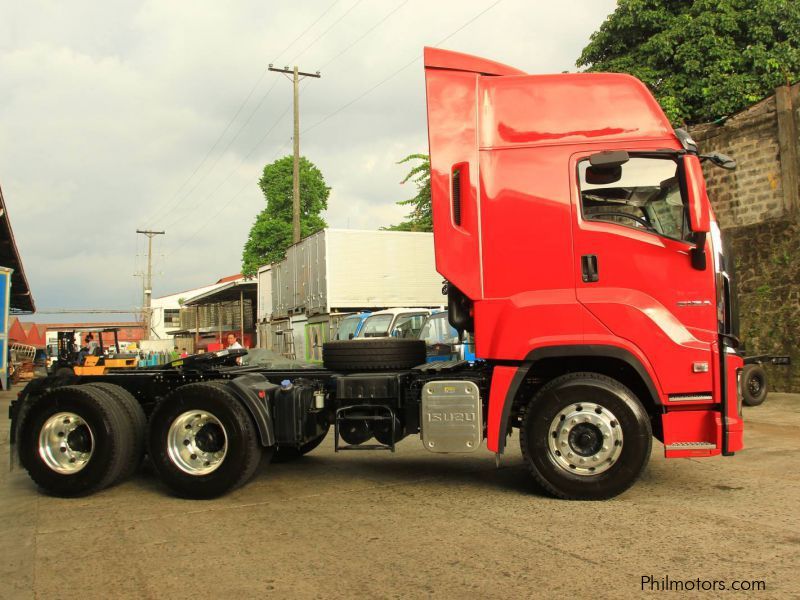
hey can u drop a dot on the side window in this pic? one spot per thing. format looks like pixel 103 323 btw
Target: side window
pixel 644 193
pixel 409 325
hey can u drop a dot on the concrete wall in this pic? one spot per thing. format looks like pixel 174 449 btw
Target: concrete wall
pixel 757 207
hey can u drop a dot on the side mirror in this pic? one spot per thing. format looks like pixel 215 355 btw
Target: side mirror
pixel 699 212
pixel 720 160
pixel 699 209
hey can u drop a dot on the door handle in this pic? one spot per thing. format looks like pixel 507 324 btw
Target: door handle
pixel 589 268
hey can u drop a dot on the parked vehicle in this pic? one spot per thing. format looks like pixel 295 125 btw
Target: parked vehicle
pixel 442 341
pixel 754 384
pixel 350 326
pixel 581 252
pixel 102 358
pixel 394 322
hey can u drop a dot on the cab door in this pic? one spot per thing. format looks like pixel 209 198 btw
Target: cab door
pixel 634 273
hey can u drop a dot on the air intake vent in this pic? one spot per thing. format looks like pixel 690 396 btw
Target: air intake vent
pixel 457 197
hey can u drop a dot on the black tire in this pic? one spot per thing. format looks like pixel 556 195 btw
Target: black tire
pixel 242 448
pixel 289 453
pixel 621 416
pixel 108 442
pixel 374 354
pixel 355 431
pixel 754 385
pixel 136 418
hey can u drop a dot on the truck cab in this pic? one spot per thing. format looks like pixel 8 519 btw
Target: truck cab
pixel 573 225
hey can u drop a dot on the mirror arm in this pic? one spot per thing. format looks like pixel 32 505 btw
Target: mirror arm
pixel 698 253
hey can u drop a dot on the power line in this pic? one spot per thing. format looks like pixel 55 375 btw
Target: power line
pixel 241 162
pixel 398 71
pixel 233 119
pixel 332 25
pixel 343 51
pixel 341 108
pixel 365 34
pixel 236 195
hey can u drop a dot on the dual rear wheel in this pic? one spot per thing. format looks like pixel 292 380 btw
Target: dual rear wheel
pixel 75 440
pixel 202 441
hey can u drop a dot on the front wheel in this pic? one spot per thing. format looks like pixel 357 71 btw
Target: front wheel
pixel 202 441
pixel 585 436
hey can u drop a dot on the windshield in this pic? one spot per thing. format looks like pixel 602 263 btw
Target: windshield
pixel 376 326
pixel 347 328
pixel 644 193
pixel 409 324
pixel 438 331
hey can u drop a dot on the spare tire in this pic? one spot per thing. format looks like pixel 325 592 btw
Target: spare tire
pixel 375 354
pixel 754 385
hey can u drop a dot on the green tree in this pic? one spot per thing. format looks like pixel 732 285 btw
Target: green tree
pixel 421 217
pixel 702 59
pixel 271 234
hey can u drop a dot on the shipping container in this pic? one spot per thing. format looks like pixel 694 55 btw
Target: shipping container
pixel 341 270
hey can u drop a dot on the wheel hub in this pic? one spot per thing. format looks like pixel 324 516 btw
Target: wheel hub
pixel 197 442
pixel 66 443
pixel 755 385
pixel 585 439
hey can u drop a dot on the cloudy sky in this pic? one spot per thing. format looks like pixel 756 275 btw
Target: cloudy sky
pixel 123 115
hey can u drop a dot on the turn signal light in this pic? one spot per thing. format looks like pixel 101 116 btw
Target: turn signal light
pixel 700 367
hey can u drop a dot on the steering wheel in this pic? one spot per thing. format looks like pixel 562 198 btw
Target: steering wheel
pixel 639 220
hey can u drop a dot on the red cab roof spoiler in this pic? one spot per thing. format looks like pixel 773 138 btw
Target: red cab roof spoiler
pixel 435 58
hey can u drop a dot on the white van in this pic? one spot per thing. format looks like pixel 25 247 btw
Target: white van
pixel 394 322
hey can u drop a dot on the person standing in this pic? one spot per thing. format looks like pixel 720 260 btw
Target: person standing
pixel 233 343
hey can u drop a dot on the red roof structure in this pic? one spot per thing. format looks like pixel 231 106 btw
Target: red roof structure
pixel 230 278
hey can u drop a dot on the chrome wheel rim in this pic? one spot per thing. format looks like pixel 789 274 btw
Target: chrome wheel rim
pixel 197 442
pixel 585 439
pixel 66 443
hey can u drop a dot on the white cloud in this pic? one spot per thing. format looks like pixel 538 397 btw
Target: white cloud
pixel 107 108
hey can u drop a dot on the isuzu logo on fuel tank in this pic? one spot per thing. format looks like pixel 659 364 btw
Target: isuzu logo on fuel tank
pixel 451 416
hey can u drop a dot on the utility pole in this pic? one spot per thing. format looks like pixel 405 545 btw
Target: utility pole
pixel 296 76
pixel 148 280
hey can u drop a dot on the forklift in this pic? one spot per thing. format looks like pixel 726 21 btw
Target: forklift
pixel 72 360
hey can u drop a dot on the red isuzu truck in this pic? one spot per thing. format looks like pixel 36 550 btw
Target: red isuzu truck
pixel 580 250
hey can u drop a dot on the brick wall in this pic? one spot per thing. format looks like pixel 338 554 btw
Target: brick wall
pixel 757 207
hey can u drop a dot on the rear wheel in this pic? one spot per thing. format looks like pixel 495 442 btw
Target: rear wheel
pixel 754 385
pixel 585 436
pixel 74 441
pixel 202 441
pixel 136 419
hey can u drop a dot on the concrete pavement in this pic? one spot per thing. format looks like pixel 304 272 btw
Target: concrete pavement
pixel 415 524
